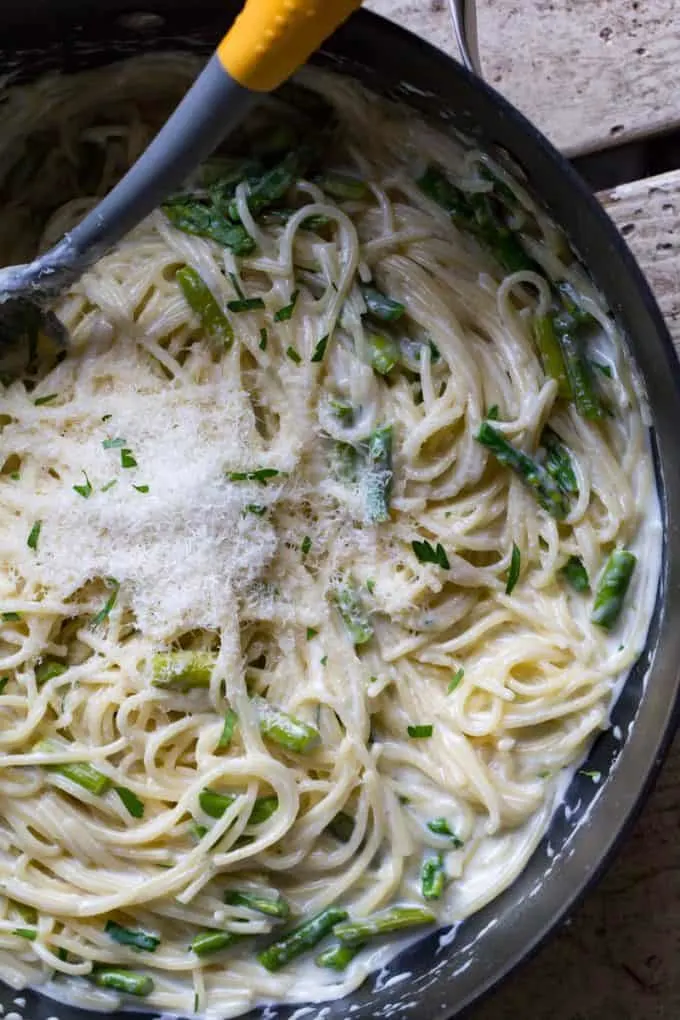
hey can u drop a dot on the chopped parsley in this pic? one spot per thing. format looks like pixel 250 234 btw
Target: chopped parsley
pixel 575 574
pixel 370 586
pixel 320 349
pixel 255 508
pixel 513 573
pixel 127 459
pixel 3 683
pixel 593 774
pixel 311 633
pixel 11 617
pixel 109 485
pixel 245 304
pixel 440 827
pixel 84 490
pixel 427 553
pixel 420 732
pixel 261 475
pixel 324 660
pixel 141 488
pixel 15 476
pixel 34 535
pixel 306 545
pixel 455 680
pixel 600 366
pixel 493 413
pixel 293 355
pixel 39 401
pixel 131 801
pixel 105 611
pixel 107 417
pixel 264 336
pixel 113 444
pixel 286 313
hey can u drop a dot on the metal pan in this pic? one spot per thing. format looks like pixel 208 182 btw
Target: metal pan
pixel 438 978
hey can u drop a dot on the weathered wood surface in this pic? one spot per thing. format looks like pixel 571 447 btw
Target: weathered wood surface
pixel 607 68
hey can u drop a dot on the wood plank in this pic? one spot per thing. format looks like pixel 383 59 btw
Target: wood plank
pixel 588 72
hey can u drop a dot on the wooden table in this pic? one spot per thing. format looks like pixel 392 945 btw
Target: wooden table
pixel 608 73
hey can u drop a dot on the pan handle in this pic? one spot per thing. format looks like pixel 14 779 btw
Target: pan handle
pixel 464 19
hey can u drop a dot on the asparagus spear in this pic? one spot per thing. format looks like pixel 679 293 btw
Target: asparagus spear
pixel 342 186
pixel 535 476
pixel 82 773
pixel 47 669
pixel 558 463
pixel 201 301
pixel 207 220
pixel 208 942
pixel 580 377
pixel 263 808
pixel 303 938
pixel 183 669
pixel 122 980
pixel 575 573
pixel 271 904
pixel 273 185
pixel 379 306
pixel 569 296
pixel 383 351
pixel 612 588
pixel 351 609
pixel 285 729
pixel 378 475
pixel 230 724
pixel 214 805
pixel 550 353
pixel 351 933
pixel 433 877
pixel 129 937
pixel 338 956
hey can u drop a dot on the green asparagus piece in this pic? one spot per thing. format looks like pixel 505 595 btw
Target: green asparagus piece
pixel 575 573
pixel 273 185
pixel 342 186
pixel 208 942
pixel 569 296
pixel 513 573
pixel 47 669
pixel 612 588
pixel 440 827
pixel 271 904
pixel 550 354
pixel 342 826
pixel 30 934
pixel 338 957
pixel 378 475
pixel 122 980
pixel 81 773
pixel 201 301
pixel 303 938
pixel 285 729
pixel 580 377
pixel 379 306
pixel 245 304
pixel 534 475
pixel 222 174
pixel 230 724
pixel 263 808
pixel 129 937
pixel 351 933
pixel 383 352
pixel 183 669
pixel 558 463
pixel 131 801
pixel 351 609
pixel 279 217
pixel 214 805
pixel 433 877
pixel 207 220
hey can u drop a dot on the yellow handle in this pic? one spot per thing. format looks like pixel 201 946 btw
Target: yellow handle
pixel 271 39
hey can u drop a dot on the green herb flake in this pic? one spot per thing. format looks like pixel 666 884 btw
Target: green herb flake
pixel 105 611
pixel 11 617
pixel 286 313
pixel 127 459
pixel 245 305
pixel 141 488
pixel 109 485
pixel 255 508
pixel 493 414
pixel 15 476
pixel 3 683
pixel 456 679
pixel 370 586
pixel 513 573
pixel 324 660
pixel 261 475
pixel 311 633
pixel 264 336
pixel 39 401
pixel 593 774
pixel 600 366
pixel 575 573
pixel 113 444
pixel 107 417
pixel 441 827
pixel 293 355
pixel 33 536
pixel 84 490
pixel 420 732
pixel 131 801
pixel 427 553
pixel 306 545
pixel 320 349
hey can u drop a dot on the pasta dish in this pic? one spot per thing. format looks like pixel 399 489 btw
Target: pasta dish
pixel 327 540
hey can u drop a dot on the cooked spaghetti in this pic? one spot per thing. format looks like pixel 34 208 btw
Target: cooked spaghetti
pixel 326 543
